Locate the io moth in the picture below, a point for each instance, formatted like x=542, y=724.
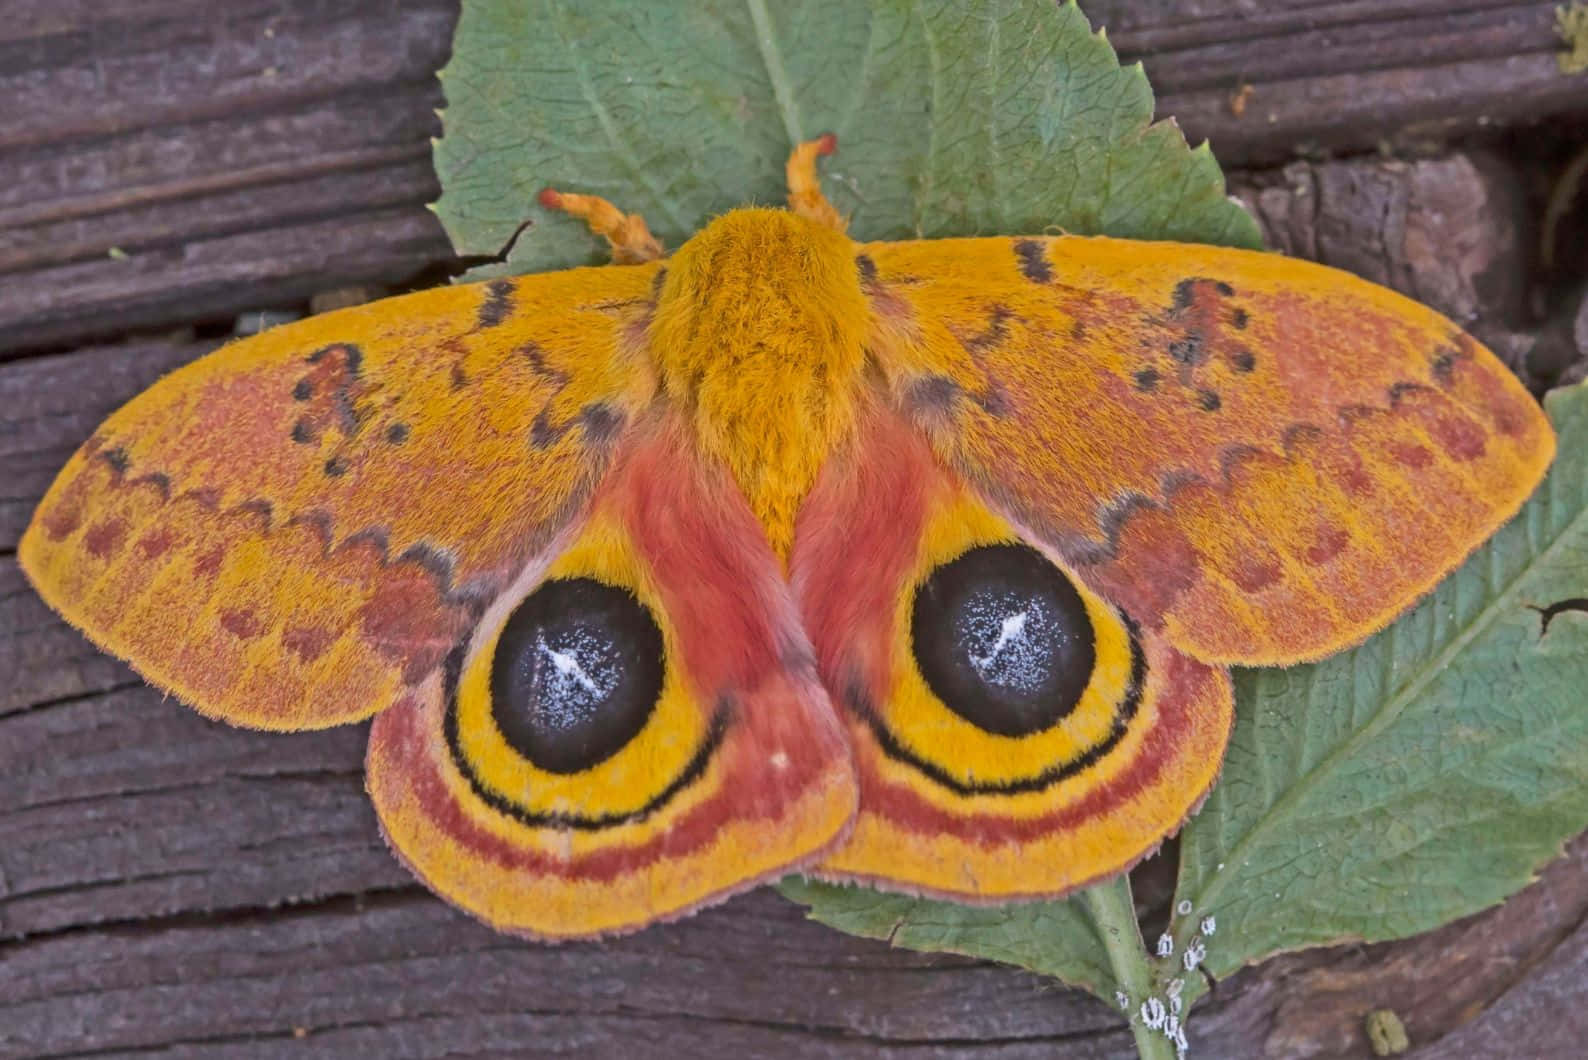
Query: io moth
x=914, y=563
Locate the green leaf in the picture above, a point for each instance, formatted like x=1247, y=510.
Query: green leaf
x=998, y=116
x=1090, y=940
x=953, y=119
x=1054, y=938
x=1422, y=776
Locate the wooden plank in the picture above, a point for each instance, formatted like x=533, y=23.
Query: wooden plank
x=171, y=884
x=1343, y=75
x=404, y=975
x=1545, y=1012
x=52, y=403
x=210, y=278
x=244, y=155
x=239, y=155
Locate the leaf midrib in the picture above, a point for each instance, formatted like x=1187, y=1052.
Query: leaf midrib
x=1501, y=604
x=776, y=72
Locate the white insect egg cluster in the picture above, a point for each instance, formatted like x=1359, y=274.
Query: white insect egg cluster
x=1162, y=1014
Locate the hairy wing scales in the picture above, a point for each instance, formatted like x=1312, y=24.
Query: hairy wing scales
x=289, y=531
x=947, y=808
x=1267, y=458
x=740, y=773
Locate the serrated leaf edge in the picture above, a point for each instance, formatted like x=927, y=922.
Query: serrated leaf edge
x=1502, y=604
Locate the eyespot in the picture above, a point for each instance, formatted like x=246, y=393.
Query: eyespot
x=577, y=670
x=568, y=706
x=1003, y=639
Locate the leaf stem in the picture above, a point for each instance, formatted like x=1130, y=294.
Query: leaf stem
x=1114, y=913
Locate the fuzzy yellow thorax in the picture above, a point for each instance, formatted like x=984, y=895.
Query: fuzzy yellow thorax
x=759, y=334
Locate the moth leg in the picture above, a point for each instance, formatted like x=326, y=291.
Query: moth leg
x=805, y=189
x=632, y=242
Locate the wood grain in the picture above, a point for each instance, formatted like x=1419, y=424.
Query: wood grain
x=244, y=155
x=173, y=886
x=1342, y=75
x=240, y=155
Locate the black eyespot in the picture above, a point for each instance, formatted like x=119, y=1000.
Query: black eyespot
x=577, y=671
x=1003, y=639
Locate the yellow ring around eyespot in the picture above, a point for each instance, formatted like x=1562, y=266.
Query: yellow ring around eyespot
x=921, y=723
x=640, y=772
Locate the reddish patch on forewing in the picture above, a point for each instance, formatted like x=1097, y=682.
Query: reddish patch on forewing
x=1462, y=439
x=1329, y=541
x=1096, y=310
x=1411, y=455
x=1335, y=459
x=1200, y=304
x=66, y=514
x=335, y=397
x=104, y=538
x=1496, y=394
x=1254, y=571
x=241, y=623
x=156, y=543
x=1181, y=691
x=1154, y=564
x=209, y=563
x=855, y=544
x=407, y=621
x=307, y=643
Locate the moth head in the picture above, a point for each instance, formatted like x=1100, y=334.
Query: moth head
x=754, y=277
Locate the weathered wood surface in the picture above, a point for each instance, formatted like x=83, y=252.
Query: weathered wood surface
x=244, y=154
x=1342, y=74
x=170, y=885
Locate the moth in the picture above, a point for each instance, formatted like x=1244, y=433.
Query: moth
x=914, y=563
